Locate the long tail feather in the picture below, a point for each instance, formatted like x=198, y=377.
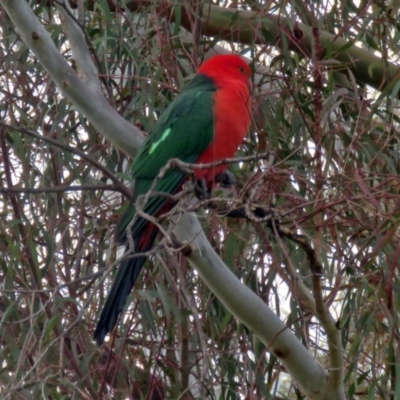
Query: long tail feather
x=126, y=276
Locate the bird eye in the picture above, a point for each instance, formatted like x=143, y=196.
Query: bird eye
x=241, y=69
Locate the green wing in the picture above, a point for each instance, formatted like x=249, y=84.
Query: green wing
x=184, y=131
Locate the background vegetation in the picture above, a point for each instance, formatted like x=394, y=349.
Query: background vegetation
x=326, y=103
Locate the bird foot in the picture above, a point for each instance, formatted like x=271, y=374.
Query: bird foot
x=201, y=190
x=226, y=179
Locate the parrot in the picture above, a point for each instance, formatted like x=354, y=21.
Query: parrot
x=205, y=123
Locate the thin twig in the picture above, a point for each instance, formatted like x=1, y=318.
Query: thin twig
x=61, y=188
x=73, y=150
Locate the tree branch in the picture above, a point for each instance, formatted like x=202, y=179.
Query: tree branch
x=82, y=47
x=59, y=188
x=250, y=309
x=247, y=27
x=90, y=103
x=121, y=188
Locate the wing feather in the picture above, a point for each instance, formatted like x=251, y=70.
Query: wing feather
x=184, y=131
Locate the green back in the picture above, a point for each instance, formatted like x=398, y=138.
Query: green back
x=184, y=131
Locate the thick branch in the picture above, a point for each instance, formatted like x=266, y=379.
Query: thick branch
x=316, y=304
x=84, y=63
x=250, y=309
x=89, y=102
x=249, y=27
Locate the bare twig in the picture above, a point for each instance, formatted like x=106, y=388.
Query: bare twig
x=73, y=150
x=63, y=188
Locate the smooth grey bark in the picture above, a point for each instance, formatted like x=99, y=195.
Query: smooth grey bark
x=251, y=310
x=89, y=102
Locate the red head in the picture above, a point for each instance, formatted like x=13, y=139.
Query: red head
x=226, y=67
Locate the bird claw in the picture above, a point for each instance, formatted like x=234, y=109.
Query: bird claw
x=201, y=190
x=226, y=179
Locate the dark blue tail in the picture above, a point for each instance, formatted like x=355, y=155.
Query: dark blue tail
x=124, y=280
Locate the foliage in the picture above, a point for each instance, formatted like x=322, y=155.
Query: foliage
x=334, y=179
